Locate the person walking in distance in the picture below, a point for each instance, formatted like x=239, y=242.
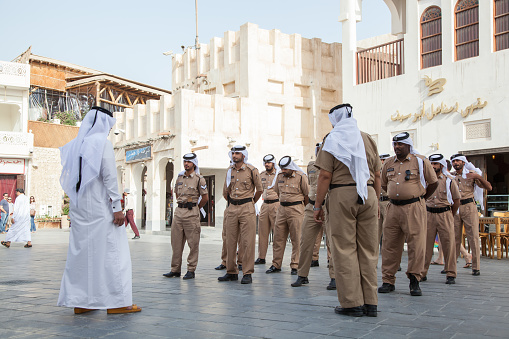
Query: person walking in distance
x=129, y=203
x=98, y=272
x=4, y=215
x=20, y=229
x=269, y=208
x=350, y=170
x=471, y=184
x=191, y=193
x=293, y=189
x=243, y=188
x=32, y=214
x=441, y=207
x=409, y=179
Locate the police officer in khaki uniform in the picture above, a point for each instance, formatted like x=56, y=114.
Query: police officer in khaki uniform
x=441, y=207
x=292, y=188
x=189, y=187
x=315, y=262
x=350, y=169
x=409, y=179
x=269, y=208
x=470, y=183
x=311, y=230
x=384, y=201
x=242, y=179
x=240, y=253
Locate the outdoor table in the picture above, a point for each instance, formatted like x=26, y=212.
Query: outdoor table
x=497, y=221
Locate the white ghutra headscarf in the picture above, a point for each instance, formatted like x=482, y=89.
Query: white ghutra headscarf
x=345, y=143
x=272, y=159
x=192, y=157
x=286, y=162
x=439, y=158
x=405, y=139
x=469, y=167
x=81, y=158
x=234, y=149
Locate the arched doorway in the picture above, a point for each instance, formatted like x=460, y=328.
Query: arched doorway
x=144, y=197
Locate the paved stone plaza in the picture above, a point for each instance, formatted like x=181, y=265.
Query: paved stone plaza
x=269, y=308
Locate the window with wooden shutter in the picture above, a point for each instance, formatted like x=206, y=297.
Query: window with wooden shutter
x=501, y=24
x=431, y=37
x=467, y=29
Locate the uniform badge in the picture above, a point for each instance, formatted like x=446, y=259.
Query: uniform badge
x=264, y=179
x=203, y=187
x=180, y=183
x=390, y=169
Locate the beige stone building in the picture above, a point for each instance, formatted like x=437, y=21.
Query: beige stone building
x=264, y=89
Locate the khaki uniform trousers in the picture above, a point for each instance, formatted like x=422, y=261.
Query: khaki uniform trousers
x=240, y=229
x=353, y=242
x=223, y=250
x=288, y=221
x=318, y=242
x=185, y=226
x=469, y=218
x=443, y=224
x=266, y=221
x=404, y=222
x=383, y=216
x=310, y=229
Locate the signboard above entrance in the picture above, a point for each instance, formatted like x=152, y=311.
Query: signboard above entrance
x=12, y=166
x=138, y=154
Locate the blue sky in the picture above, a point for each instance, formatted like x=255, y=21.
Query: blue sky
x=127, y=38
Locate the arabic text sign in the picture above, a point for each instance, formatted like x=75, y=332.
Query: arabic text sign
x=12, y=166
x=138, y=154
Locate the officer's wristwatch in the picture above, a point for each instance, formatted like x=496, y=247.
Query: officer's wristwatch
x=316, y=208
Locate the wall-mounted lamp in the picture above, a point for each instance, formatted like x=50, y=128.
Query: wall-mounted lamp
x=193, y=141
x=248, y=144
x=435, y=147
x=143, y=164
x=171, y=159
x=118, y=131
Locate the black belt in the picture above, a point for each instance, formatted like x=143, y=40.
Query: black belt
x=271, y=201
x=333, y=186
x=438, y=209
x=241, y=201
x=466, y=201
x=405, y=202
x=384, y=198
x=186, y=204
x=284, y=203
x=312, y=202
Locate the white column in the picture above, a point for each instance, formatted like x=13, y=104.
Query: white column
x=348, y=18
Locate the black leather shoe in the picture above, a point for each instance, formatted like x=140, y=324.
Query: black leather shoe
x=294, y=271
x=246, y=279
x=136, y=237
x=189, y=275
x=260, y=261
x=415, y=290
x=272, y=269
x=240, y=267
x=386, y=288
x=172, y=275
x=229, y=277
x=425, y=278
x=443, y=271
x=450, y=281
x=370, y=310
x=220, y=267
x=300, y=281
x=332, y=285
x=399, y=269
x=351, y=311
x=476, y=272
x=315, y=263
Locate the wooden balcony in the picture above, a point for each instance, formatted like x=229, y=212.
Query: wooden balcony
x=380, y=62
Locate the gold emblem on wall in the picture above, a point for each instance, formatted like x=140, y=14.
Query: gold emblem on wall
x=435, y=86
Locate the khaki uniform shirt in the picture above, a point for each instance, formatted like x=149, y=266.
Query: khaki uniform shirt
x=190, y=188
x=267, y=179
x=243, y=182
x=393, y=177
x=383, y=193
x=439, y=197
x=293, y=188
x=313, y=173
x=466, y=186
x=340, y=172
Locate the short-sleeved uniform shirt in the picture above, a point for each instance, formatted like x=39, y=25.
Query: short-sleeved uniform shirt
x=190, y=188
x=340, y=172
x=267, y=179
x=292, y=188
x=465, y=186
x=394, y=173
x=5, y=204
x=243, y=183
x=313, y=173
x=439, y=197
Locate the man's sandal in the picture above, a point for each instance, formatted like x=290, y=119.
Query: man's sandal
x=79, y=310
x=121, y=310
x=27, y=246
x=6, y=244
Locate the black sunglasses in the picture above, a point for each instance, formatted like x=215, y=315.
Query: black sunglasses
x=407, y=177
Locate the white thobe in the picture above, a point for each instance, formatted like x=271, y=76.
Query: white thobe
x=98, y=269
x=20, y=230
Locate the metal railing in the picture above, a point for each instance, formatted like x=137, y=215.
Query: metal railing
x=380, y=62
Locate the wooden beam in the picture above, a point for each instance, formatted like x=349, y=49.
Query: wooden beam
x=116, y=104
x=199, y=148
x=111, y=94
x=119, y=96
x=128, y=99
x=136, y=101
x=104, y=88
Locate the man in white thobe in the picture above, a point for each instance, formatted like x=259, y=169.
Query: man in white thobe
x=20, y=229
x=98, y=269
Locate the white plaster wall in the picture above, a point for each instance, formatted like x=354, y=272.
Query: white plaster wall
x=45, y=179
